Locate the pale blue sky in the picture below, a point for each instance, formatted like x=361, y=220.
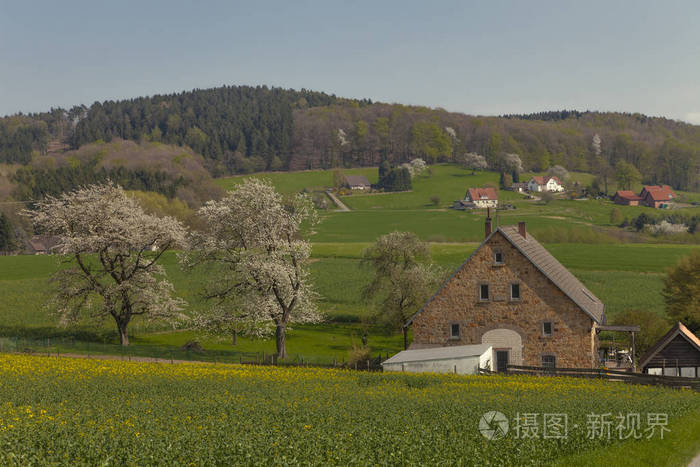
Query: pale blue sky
x=488, y=57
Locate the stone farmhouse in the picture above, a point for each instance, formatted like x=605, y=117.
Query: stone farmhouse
x=357, y=182
x=512, y=294
x=546, y=183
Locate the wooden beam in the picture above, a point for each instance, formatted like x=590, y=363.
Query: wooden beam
x=621, y=328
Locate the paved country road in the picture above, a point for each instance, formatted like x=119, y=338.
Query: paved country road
x=336, y=200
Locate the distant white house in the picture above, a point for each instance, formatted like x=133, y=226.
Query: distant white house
x=546, y=183
x=460, y=359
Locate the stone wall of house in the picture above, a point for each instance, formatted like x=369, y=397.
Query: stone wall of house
x=573, y=341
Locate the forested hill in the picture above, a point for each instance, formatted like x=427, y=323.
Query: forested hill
x=244, y=129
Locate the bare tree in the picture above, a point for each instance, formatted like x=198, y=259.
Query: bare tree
x=403, y=277
x=111, y=249
x=255, y=237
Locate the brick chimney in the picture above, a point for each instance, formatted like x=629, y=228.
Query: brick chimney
x=488, y=226
x=521, y=229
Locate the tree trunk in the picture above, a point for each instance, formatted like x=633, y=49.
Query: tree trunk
x=234, y=339
x=280, y=340
x=123, y=334
x=405, y=338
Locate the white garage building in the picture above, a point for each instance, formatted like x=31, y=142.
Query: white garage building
x=461, y=359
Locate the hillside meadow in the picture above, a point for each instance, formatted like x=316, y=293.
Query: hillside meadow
x=625, y=276
x=559, y=221
x=79, y=411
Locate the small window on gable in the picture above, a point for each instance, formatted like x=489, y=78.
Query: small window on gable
x=498, y=257
x=515, y=291
x=547, y=328
x=549, y=361
x=484, y=292
x=454, y=331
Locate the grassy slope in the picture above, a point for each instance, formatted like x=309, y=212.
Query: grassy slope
x=623, y=276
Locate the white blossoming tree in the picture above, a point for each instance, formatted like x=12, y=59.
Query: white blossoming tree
x=254, y=238
x=473, y=161
x=110, y=249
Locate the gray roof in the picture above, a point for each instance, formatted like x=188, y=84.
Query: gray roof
x=545, y=263
x=556, y=272
x=438, y=353
x=355, y=180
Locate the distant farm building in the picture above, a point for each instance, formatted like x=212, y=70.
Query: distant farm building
x=513, y=295
x=657, y=196
x=43, y=244
x=461, y=359
x=546, y=183
x=675, y=354
x=519, y=187
x=478, y=198
x=627, y=198
x=357, y=182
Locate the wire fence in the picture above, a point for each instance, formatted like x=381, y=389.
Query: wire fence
x=65, y=346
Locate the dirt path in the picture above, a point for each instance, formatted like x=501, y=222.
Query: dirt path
x=336, y=200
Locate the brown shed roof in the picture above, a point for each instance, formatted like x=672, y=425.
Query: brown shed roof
x=475, y=194
x=628, y=195
x=678, y=329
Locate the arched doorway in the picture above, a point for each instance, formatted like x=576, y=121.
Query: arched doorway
x=507, y=347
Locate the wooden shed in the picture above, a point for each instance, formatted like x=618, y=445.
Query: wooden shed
x=675, y=354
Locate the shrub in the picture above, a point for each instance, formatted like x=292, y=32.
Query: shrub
x=435, y=199
x=615, y=216
x=358, y=355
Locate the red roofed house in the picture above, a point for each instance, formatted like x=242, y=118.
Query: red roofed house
x=657, y=196
x=482, y=197
x=627, y=198
x=546, y=183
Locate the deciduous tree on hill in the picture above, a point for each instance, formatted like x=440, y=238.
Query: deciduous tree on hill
x=403, y=277
x=112, y=248
x=626, y=175
x=472, y=161
x=682, y=291
x=254, y=237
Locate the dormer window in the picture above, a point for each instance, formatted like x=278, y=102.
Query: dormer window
x=498, y=257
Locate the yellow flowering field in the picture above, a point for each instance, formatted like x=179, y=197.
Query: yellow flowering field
x=65, y=411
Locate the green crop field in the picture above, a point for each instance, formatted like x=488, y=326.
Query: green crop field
x=97, y=412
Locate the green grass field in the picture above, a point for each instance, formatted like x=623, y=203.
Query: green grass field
x=578, y=233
